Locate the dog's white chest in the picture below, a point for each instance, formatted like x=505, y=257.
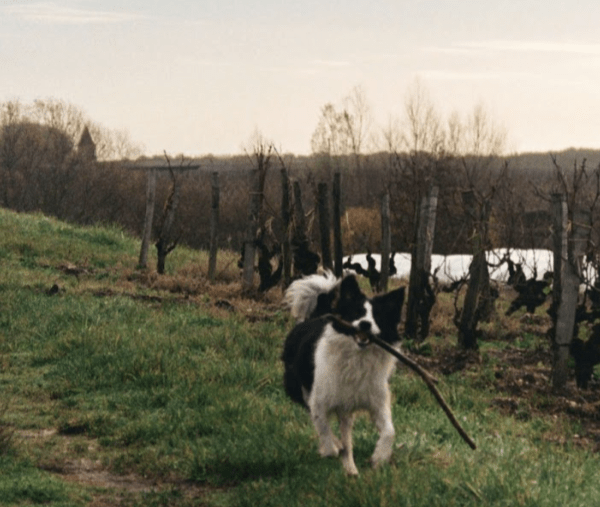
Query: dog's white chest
x=348, y=376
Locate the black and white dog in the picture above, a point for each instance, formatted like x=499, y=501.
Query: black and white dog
x=330, y=372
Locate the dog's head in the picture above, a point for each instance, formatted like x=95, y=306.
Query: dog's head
x=379, y=315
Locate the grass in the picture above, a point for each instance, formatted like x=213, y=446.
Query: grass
x=180, y=401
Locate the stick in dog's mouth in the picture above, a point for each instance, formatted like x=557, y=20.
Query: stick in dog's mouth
x=363, y=338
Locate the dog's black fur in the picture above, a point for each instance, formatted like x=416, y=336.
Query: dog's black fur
x=331, y=370
x=298, y=352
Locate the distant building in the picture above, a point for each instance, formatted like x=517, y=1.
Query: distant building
x=86, y=148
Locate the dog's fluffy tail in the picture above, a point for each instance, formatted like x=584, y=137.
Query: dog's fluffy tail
x=302, y=296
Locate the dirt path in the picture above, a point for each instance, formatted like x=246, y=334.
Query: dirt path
x=105, y=487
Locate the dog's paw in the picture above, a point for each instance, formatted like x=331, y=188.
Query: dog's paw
x=329, y=452
x=330, y=448
x=352, y=471
x=378, y=460
x=348, y=463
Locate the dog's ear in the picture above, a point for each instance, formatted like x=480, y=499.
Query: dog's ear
x=391, y=304
x=325, y=304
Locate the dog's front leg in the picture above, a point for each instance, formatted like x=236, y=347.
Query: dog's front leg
x=382, y=417
x=329, y=445
x=346, y=423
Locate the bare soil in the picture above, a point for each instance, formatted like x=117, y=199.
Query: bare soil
x=523, y=386
x=106, y=488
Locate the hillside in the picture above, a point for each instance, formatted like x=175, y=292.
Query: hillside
x=120, y=387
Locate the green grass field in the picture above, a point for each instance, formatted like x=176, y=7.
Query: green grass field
x=120, y=387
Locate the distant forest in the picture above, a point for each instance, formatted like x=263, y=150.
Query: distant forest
x=527, y=163
x=55, y=161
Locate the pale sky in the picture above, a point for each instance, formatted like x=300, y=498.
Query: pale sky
x=200, y=76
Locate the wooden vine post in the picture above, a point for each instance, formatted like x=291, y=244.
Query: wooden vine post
x=299, y=219
x=249, y=242
x=166, y=243
x=286, y=219
x=337, y=224
x=386, y=242
x=568, y=250
x=214, y=227
x=420, y=297
x=478, y=217
x=148, y=218
x=324, y=226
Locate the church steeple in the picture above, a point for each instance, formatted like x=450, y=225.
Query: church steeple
x=86, y=146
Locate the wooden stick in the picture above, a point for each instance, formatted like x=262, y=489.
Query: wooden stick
x=364, y=336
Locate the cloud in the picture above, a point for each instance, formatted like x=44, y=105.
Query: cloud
x=538, y=46
x=331, y=63
x=192, y=61
x=445, y=75
x=580, y=48
x=52, y=13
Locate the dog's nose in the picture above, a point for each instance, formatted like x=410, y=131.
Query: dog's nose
x=364, y=326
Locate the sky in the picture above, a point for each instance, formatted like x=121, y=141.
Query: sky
x=199, y=77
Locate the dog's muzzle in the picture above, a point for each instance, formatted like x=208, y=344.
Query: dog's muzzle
x=362, y=338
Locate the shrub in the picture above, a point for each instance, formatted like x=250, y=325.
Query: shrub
x=361, y=229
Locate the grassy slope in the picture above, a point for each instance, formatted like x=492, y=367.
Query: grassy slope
x=143, y=377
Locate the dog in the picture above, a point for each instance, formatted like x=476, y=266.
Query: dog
x=331, y=371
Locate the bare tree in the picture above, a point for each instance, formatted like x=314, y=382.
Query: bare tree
x=454, y=137
x=390, y=140
x=113, y=144
x=418, y=160
x=424, y=132
x=33, y=158
x=43, y=169
x=477, y=141
x=344, y=129
x=59, y=114
x=460, y=156
x=480, y=142
x=358, y=119
x=167, y=241
x=325, y=136
x=261, y=157
x=13, y=149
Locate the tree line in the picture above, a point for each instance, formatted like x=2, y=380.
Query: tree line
x=43, y=168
